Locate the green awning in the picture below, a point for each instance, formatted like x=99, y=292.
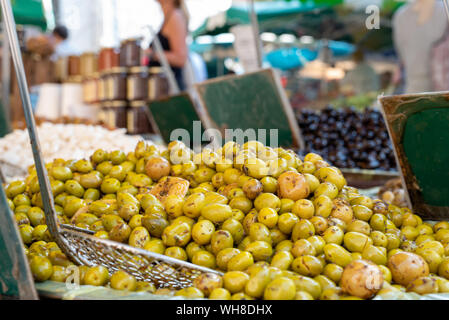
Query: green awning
x=29, y=12
x=269, y=13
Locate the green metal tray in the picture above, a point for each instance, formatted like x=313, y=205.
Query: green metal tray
x=419, y=128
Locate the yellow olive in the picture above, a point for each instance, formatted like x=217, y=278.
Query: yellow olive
x=307, y=265
x=269, y=184
x=378, y=222
x=260, y=250
x=123, y=281
x=240, y=262
x=356, y=242
x=204, y=258
x=139, y=237
x=155, y=245
x=282, y=260
x=41, y=268
x=268, y=216
x=176, y=253
x=303, y=247
x=258, y=281
x=304, y=209
x=333, y=235
x=96, y=276
x=220, y=240
x=326, y=189
x=216, y=212
x=176, y=235
x=312, y=181
x=259, y=232
x=323, y=206
x=360, y=227
x=337, y=254
x=308, y=285
x=432, y=258
x=320, y=224
x=280, y=289
x=202, y=232
x=235, y=281
x=303, y=229
x=286, y=222
x=235, y=228
x=220, y=294
x=224, y=256
x=333, y=272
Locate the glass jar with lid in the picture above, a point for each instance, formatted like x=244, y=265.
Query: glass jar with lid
x=108, y=58
x=102, y=90
x=116, y=81
x=116, y=114
x=88, y=64
x=91, y=89
x=158, y=86
x=137, y=88
x=130, y=53
x=138, y=119
x=74, y=66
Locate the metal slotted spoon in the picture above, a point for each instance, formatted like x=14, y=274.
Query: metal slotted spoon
x=79, y=245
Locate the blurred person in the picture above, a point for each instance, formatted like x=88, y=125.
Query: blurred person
x=172, y=37
x=362, y=79
x=417, y=27
x=61, y=45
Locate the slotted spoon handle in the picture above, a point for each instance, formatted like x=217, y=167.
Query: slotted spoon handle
x=44, y=183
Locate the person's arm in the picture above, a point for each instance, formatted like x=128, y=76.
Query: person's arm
x=177, y=34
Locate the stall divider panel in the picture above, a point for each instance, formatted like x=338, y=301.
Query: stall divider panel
x=251, y=101
x=16, y=280
x=175, y=112
x=419, y=128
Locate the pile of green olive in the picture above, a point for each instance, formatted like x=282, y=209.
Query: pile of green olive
x=277, y=226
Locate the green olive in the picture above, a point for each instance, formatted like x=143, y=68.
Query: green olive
x=333, y=235
x=241, y=261
x=220, y=240
x=15, y=188
x=176, y=235
x=139, y=237
x=99, y=156
x=41, y=268
x=216, y=212
x=202, y=232
x=96, y=276
x=260, y=250
x=91, y=180
x=83, y=166
x=120, y=233
x=156, y=246
x=267, y=200
x=110, y=185
x=204, y=258
x=123, y=281
x=176, y=253
x=356, y=242
x=104, y=167
x=303, y=229
x=337, y=254
x=21, y=200
x=72, y=187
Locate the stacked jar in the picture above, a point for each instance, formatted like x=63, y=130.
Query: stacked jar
x=115, y=80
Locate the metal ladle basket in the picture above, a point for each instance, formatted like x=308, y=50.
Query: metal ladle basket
x=79, y=245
